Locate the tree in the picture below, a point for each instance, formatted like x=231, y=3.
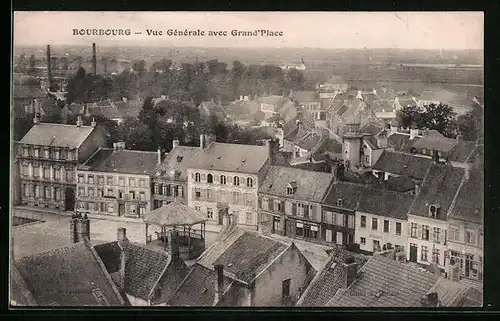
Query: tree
x=139, y=66
x=439, y=117
x=470, y=125
x=31, y=64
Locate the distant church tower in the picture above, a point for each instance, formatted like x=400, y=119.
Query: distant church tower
x=351, y=142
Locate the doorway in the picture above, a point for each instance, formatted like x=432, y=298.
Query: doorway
x=121, y=209
x=413, y=253
x=276, y=225
x=69, y=199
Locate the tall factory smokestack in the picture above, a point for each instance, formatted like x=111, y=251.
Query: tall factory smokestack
x=94, y=60
x=49, y=69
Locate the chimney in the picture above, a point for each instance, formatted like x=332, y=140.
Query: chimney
x=93, y=123
x=73, y=236
x=241, y=97
x=173, y=245
x=125, y=99
x=350, y=271
x=159, y=155
x=77, y=228
x=94, y=60
x=79, y=121
x=272, y=147
x=49, y=69
x=430, y=300
x=467, y=171
x=122, y=244
x=219, y=285
x=202, y=141
x=175, y=143
x=374, y=91
x=84, y=228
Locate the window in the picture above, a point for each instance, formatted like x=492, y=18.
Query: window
x=142, y=182
x=100, y=192
x=47, y=153
x=454, y=233
x=110, y=192
x=285, y=289
x=398, y=228
x=236, y=181
x=36, y=171
x=197, y=193
x=81, y=191
x=425, y=232
x=142, y=210
x=424, y=151
x=435, y=256
x=180, y=191
x=236, y=197
x=120, y=194
x=46, y=192
x=90, y=191
x=46, y=173
x=209, y=195
x=37, y=191
x=132, y=195
x=249, y=218
x=109, y=180
x=223, y=179
x=470, y=237
x=265, y=203
x=367, y=159
x=26, y=190
x=339, y=202
x=210, y=213
x=433, y=211
x=249, y=182
x=90, y=179
x=91, y=206
x=58, y=154
x=413, y=230
x=249, y=199
x=350, y=221
x=173, y=190
x=300, y=209
x=100, y=180
x=423, y=253
x=142, y=196
x=156, y=188
x=57, y=194
x=26, y=151
x=277, y=205
x=386, y=226
x=210, y=178
x=121, y=181
x=164, y=189
x=376, y=246
x=131, y=182
x=362, y=222
x=80, y=178
x=436, y=234
x=37, y=152
x=197, y=177
x=362, y=240
x=339, y=219
x=26, y=170
x=289, y=190
x=374, y=224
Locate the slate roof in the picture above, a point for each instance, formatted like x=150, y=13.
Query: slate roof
x=272, y=100
x=329, y=280
x=308, y=141
x=401, y=142
x=311, y=186
x=431, y=142
x=179, y=160
x=439, y=187
x=143, y=268
x=462, y=151
x=403, y=164
x=450, y=293
x=385, y=203
x=233, y=158
x=122, y=161
x=305, y=96
x=371, y=141
x=197, y=289
x=117, y=110
x=348, y=192
x=68, y=276
x=383, y=282
x=57, y=135
x=174, y=214
x=469, y=204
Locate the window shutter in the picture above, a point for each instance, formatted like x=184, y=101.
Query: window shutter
x=271, y=204
x=294, y=209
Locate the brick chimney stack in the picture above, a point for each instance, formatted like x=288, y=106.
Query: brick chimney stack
x=94, y=60
x=219, y=285
x=350, y=271
x=121, y=236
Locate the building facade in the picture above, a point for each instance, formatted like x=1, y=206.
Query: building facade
x=48, y=157
x=116, y=182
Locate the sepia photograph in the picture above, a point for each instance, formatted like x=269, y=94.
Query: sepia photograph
x=247, y=159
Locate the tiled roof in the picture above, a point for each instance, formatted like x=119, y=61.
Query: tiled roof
x=197, y=289
x=432, y=142
x=385, y=203
x=118, y=110
x=233, y=158
x=20, y=295
x=305, y=96
x=371, y=141
x=439, y=187
x=469, y=204
x=383, y=282
x=174, y=214
x=272, y=100
x=57, y=135
x=403, y=164
x=450, y=293
x=143, y=268
x=329, y=280
x=122, y=161
x=401, y=142
x=179, y=160
x=348, y=192
x=311, y=186
x=68, y=276
x=309, y=140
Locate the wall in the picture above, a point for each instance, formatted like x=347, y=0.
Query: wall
x=169, y=198
x=291, y=265
x=95, y=140
x=347, y=232
x=443, y=225
x=461, y=247
x=247, y=196
x=113, y=201
x=379, y=235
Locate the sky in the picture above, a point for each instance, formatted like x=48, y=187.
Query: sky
x=404, y=30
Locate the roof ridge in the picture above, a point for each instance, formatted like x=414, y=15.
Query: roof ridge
x=454, y=202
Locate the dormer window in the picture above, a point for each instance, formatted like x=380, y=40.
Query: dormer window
x=340, y=202
x=37, y=152
x=197, y=177
x=434, y=210
x=47, y=153
x=289, y=190
x=223, y=179
x=424, y=151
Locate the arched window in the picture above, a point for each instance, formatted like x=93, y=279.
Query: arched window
x=249, y=182
x=236, y=181
x=197, y=177
x=223, y=179
x=210, y=179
